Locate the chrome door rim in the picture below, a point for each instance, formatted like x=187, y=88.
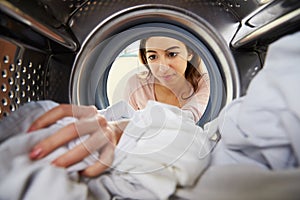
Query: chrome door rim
x=163, y=14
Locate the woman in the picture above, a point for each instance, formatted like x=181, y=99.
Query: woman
x=174, y=77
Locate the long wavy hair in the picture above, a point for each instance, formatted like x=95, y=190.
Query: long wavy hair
x=193, y=71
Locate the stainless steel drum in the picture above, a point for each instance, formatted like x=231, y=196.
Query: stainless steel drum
x=64, y=50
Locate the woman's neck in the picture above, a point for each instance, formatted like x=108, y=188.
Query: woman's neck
x=173, y=95
x=165, y=95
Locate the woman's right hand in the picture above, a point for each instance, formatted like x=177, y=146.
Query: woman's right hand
x=103, y=137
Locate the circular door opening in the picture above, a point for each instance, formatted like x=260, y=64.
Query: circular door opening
x=94, y=66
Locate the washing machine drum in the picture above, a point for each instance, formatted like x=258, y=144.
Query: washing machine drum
x=108, y=55
x=83, y=52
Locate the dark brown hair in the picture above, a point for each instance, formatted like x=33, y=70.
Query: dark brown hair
x=193, y=71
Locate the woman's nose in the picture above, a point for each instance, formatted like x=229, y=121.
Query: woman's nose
x=163, y=65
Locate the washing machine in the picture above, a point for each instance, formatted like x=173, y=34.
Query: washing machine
x=83, y=51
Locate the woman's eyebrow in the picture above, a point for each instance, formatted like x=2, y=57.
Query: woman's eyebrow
x=171, y=48
x=150, y=51
x=168, y=49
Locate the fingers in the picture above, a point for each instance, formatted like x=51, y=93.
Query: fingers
x=96, y=141
x=71, y=157
x=61, y=111
x=66, y=134
x=54, y=141
x=51, y=117
x=101, y=137
x=105, y=161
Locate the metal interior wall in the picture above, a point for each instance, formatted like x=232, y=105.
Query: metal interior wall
x=33, y=66
x=39, y=40
x=49, y=60
x=22, y=79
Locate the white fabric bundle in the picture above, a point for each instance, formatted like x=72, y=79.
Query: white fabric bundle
x=163, y=148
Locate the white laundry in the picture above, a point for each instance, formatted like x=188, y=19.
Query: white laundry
x=262, y=127
x=21, y=178
x=160, y=149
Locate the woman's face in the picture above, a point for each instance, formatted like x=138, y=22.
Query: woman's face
x=167, y=59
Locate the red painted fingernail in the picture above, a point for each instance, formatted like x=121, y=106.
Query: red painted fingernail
x=34, y=154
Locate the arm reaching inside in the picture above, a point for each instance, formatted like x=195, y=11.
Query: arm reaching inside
x=104, y=136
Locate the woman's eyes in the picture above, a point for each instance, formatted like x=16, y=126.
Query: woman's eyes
x=169, y=54
x=152, y=57
x=172, y=54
